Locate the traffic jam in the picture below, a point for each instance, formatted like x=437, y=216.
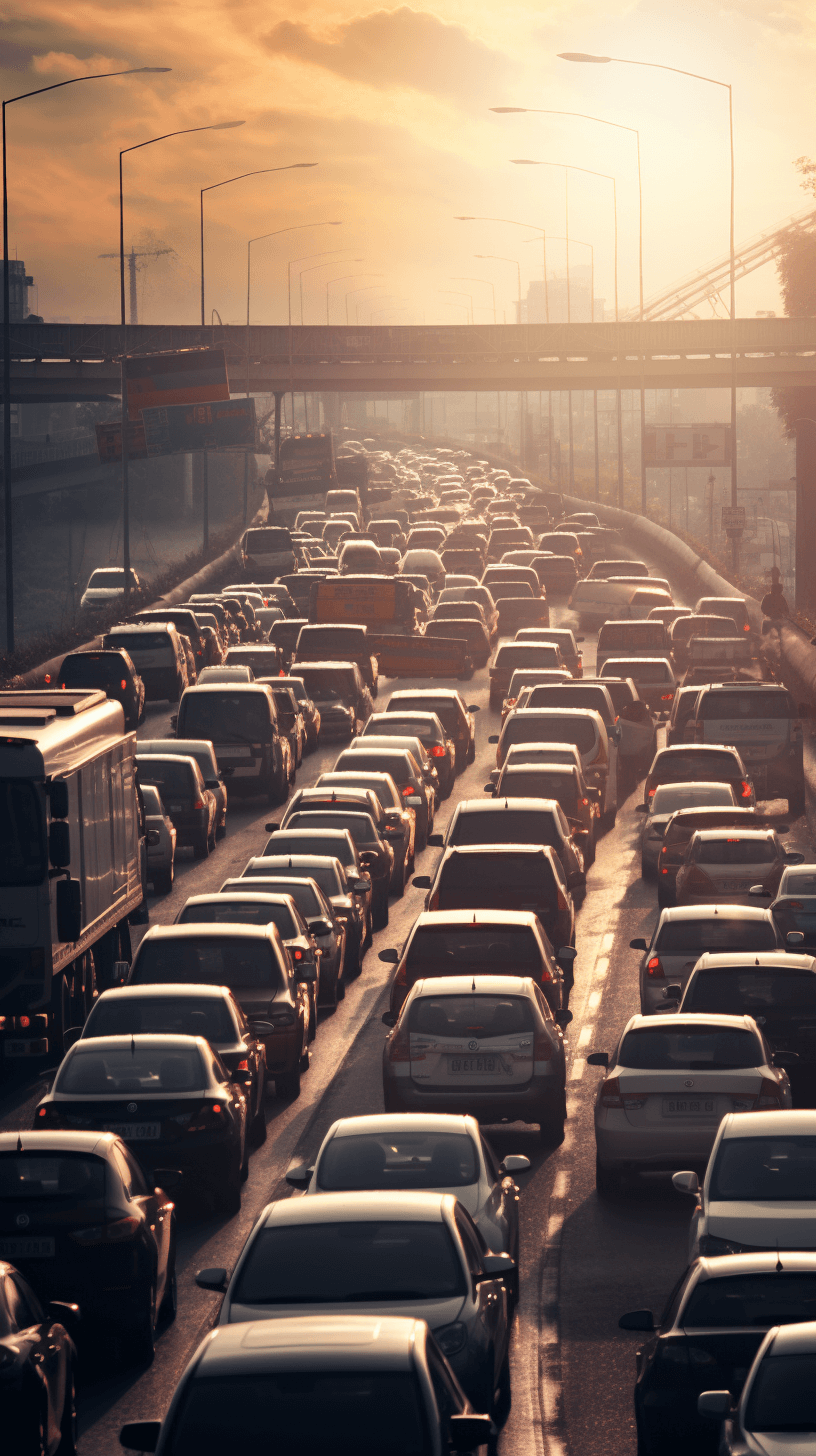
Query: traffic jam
x=408, y=977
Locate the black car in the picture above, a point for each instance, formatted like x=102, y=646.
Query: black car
x=290, y=721
x=308, y=709
x=376, y=854
x=169, y=1096
x=37, y=1369
x=324, y=925
x=285, y=635
x=340, y=694
x=113, y=673
x=208, y=1011
x=201, y=749
x=403, y=769
x=350, y=906
x=427, y=727
x=399, y=826
x=714, y=1322
x=190, y=805
x=82, y=1219
x=329, y=840
x=450, y=708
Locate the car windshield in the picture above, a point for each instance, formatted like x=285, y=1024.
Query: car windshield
x=141, y=641
x=670, y=797
x=753, y=991
x=539, y=783
x=206, y=1016
x=333, y=641
x=752, y=703
x=497, y=949
x=345, y=1412
x=378, y=760
x=174, y=779
x=238, y=912
x=696, y=763
x=328, y=684
x=357, y=1262
x=131, y=1068
x=752, y=1301
x=22, y=833
x=360, y=826
x=697, y=1048
x=734, y=851
x=550, y=729
x=764, y=1169
x=506, y=826
x=91, y=671
x=226, y=717
x=30, y=1175
x=399, y=1160
x=302, y=841
x=715, y=933
x=233, y=961
x=485, y=1017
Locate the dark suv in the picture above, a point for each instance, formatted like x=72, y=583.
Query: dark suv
x=111, y=671
x=189, y=804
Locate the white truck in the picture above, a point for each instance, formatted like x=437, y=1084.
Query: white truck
x=72, y=862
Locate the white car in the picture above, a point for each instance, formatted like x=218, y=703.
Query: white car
x=669, y=1083
x=759, y=1189
x=684, y=932
x=667, y=799
x=106, y=585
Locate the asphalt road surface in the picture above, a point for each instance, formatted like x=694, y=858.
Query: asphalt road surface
x=582, y=1263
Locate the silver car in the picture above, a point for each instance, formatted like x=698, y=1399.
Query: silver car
x=776, y=1412
x=667, y=799
x=684, y=932
x=161, y=841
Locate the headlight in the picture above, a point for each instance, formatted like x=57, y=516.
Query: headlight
x=451, y=1338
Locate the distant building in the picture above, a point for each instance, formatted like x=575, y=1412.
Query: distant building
x=19, y=284
x=553, y=303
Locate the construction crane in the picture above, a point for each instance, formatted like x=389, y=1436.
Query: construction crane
x=131, y=259
x=705, y=285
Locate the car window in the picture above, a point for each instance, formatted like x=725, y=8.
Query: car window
x=697, y=764
x=448, y=1398
x=238, y=913
x=504, y=949
x=485, y=1017
x=689, y=1048
x=752, y=991
x=343, y=1262
x=772, y=1168
x=507, y=827
x=752, y=1301
x=401, y=1160
x=715, y=933
x=206, y=1016
x=250, y=964
x=472, y=1242
x=734, y=851
x=136, y=1068
x=783, y=1398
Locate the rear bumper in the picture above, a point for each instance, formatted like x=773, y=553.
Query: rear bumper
x=490, y=1105
x=659, y=1148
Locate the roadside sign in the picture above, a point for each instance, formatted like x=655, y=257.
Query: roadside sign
x=733, y=518
x=188, y=376
x=687, y=444
x=220, y=425
x=109, y=441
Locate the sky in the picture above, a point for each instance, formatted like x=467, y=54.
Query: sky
x=393, y=106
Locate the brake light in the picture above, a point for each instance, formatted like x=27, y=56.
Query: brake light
x=770, y=1095
x=48, y=677
x=666, y=697
x=115, y=1232
x=610, y=1093
x=123, y=684
x=654, y=967
x=408, y=789
x=24, y=1022
x=297, y=955
x=437, y=751
x=790, y=905
x=208, y=1118
x=747, y=627
x=399, y=1046
x=242, y=1066
x=199, y=804
x=542, y=1047
x=651, y=792
x=745, y=791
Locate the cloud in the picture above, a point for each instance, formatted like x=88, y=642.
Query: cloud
x=61, y=64
x=402, y=47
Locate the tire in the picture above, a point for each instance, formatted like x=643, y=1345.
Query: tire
x=287, y=1085
x=68, y=1423
x=169, y=1304
x=140, y=1335
x=245, y=1161
x=257, y=1127
x=503, y=1397
x=340, y=986
x=305, y=1059
x=163, y=881
x=646, y=870
x=796, y=804
x=392, y=1102
x=201, y=848
x=367, y=939
x=211, y=841
x=607, y=1183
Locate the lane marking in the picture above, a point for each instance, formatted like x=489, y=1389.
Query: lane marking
x=601, y=968
x=577, y=1069
x=595, y=1000
x=608, y=941
x=586, y=1034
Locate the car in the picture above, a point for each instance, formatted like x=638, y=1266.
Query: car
x=517, y=821
x=340, y=696
x=170, y=1091
x=407, y=743
x=698, y=762
x=157, y=653
x=763, y=722
x=734, y=607
x=380, y=1253
x=794, y=908
x=400, y=764
x=227, y=672
x=290, y=721
x=204, y=754
x=399, y=820
x=582, y=726
x=469, y=591
x=161, y=841
x=449, y=706
x=721, y=1308
x=113, y=673
x=496, y=1033
x=326, y=839
x=563, y=638
x=558, y=575
x=364, y=799
x=620, y=567
x=513, y=655
x=678, y=833
x=241, y=722
x=563, y=783
x=246, y=906
x=653, y=677
x=385, y=1377
x=446, y=611
x=424, y=562
x=681, y=936
x=776, y=1406
x=474, y=635
x=529, y=677
x=637, y=724
x=644, y=598
x=38, y=1359
x=307, y=707
x=540, y=753
x=349, y=903
x=338, y=642
x=691, y=625
x=683, y=710
x=669, y=1082
x=375, y=855
x=322, y=922
x=208, y=1011
x=268, y=551
x=433, y=737
x=284, y=635
x=666, y=801
x=120, y=1269
x=756, y=1194
x=254, y=963
x=479, y=942
x=418, y=1152
x=190, y=625
x=668, y=615
x=106, y=585
x=730, y=867
x=583, y=694
x=189, y=803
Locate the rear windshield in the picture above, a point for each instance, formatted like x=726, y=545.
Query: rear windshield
x=250, y=964
x=269, y=538
x=715, y=933
x=746, y=705
x=752, y=1301
x=693, y=1049
x=360, y=826
x=378, y=760
x=631, y=634
x=697, y=763
x=131, y=1068
x=308, y=843
x=408, y=1160
x=447, y=711
x=485, y=1017
x=752, y=991
x=527, y=654
x=492, y=878
x=341, y=1263
x=506, y=826
x=51, y=1175
x=333, y=641
x=326, y=877
x=734, y=851
x=142, y=641
x=540, y=784
x=571, y=697
x=108, y=579
x=800, y=884
x=765, y=1169
x=206, y=1016
x=226, y=717
x=495, y=949
x=643, y=669
x=90, y=672
x=237, y=912
x=328, y=684
x=668, y=799
x=171, y=778
x=580, y=731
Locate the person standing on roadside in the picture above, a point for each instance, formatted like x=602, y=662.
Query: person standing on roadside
x=773, y=603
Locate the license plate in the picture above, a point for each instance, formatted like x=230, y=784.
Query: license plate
x=734, y=887
x=476, y=1065
x=228, y=750
x=689, y=1106
x=135, y=1131
x=26, y=1249
x=175, y=808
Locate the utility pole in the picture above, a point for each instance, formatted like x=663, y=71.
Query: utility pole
x=132, y=259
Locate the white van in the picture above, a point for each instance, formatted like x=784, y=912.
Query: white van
x=268, y=551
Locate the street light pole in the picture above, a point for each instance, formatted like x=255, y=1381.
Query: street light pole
x=511, y=222
x=488, y=282
x=313, y=268
x=344, y=278
x=262, y=171
x=8, y=520
x=369, y=288
x=459, y=293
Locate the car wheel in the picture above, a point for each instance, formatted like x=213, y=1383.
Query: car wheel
x=68, y=1424
x=245, y=1159
x=169, y=1304
x=796, y=804
x=503, y=1397
x=392, y=1102
x=607, y=1183
x=257, y=1127
x=287, y=1084
x=367, y=939
x=221, y=831
x=201, y=848
x=421, y=839
x=471, y=753
x=163, y=881
x=211, y=840
x=644, y=1445
x=140, y=1334
x=340, y=986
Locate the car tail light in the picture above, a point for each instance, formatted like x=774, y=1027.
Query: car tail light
x=745, y=790
x=654, y=967
x=282, y=1016
x=243, y=1066
x=747, y=627
x=116, y=1232
x=297, y=955
x=408, y=789
x=48, y=677
x=610, y=1095
x=199, y=804
x=437, y=751
x=666, y=697
x=770, y=1095
x=585, y=802
x=401, y=978
x=542, y=1047
x=209, y=1118
x=399, y=1046
x=123, y=685
x=651, y=792
x=790, y=905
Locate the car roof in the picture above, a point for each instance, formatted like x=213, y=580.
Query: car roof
x=323, y=664
x=506, y=801
x=354, y=1207
x=399, y=1122
x=712, y=836
x=792, y=1122
x=480, y=985
x=151, y=1041
x=310, y=1343
x=540, y=851
x=692, y=1019
x=337, y=834
x=158, y=988
x=261, y=897
x=697, y=748
x=210, y=932
x=714, y=912
x=438, y=919
x=797, y=1339
x=766, y=960
x=57, y=1141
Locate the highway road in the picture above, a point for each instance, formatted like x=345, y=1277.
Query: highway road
x=582, y=1263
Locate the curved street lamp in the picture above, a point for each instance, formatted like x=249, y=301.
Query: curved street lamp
x=261, y=171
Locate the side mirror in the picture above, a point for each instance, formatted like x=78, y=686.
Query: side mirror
x=306, y=971
x=414, y=801
x=497, y=1266
x=360, y=883
x=71, y=1036
x=270, y=828
x=793, y=857
x=467, y=1433
x=794, y=939
x=140, y=1435
x=242, y=1078
x=473, y=708
x=389, y=1018
x=437, y=841
x=320, y=927
x=299, y=1176
x=490, y=788
x=69, y=910
x=67, y=1314
x=598, y=1059
x=168, y=1179
x=638, y=944
x=59, y=844
x=686, y=1183
x=759, y=889
x=563, y=1018
x=153, y=837
x=514, y=1163
x=494, y=738
x=566, y=955
x=785, y=1059
x=641, y=809
x=714, y=1405
x=421, y=882
x=637, y=1319
x=58, y=799
x=215, y=1279
x=390, y=957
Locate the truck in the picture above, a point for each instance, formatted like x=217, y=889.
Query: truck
x=72, y=862
x=305, y=466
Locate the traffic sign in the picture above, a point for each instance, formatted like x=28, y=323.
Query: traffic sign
x=223, y=424
x=687, y=444
x=109, y=441
x=733, y=518
x=188, y=376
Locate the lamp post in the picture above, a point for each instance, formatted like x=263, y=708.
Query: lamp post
x=367, y=288
x=262, y=171
x=316, y=266
x=511, y=222
x=378, y=288
x=488, y=282
x=7, y=498
x=581, y=57
x=344, y=278
x=499, y=258
x=460, y=293
x=570, y=167
x=137, y=147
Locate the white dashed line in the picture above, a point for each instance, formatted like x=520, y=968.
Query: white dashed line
x=585, y=1034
